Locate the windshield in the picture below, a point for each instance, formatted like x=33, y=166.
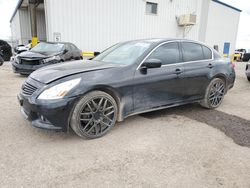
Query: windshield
x=47, y=47
x=125, y=53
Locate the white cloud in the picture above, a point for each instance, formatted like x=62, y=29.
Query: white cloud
x=6, y=9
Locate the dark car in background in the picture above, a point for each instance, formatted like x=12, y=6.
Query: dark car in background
x=1, y=58
x=5, y=49
x=246, y=57
x=248, y=71
x=43, y=54
x=244, y=54
x=129, y=78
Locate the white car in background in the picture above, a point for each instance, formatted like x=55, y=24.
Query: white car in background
x=22, y=48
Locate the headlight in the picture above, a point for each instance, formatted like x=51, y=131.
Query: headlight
x=17, y=59
x=59, y=91
x=56, y=57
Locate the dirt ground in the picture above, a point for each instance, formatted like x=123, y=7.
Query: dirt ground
x=181, y=147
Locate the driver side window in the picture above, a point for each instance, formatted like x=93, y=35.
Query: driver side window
x=168, y=53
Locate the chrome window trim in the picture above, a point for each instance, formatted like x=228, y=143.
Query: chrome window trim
x=182, y=62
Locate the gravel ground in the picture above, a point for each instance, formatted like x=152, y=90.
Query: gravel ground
x=182, y=147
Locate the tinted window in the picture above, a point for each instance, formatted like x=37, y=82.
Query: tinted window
x=73, y=47
x=167, y=53
x=67, y=46
x=207, y=52
x=192, y=51
x=124, y=53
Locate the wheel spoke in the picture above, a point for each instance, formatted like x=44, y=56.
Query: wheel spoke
x=212, y=93
x=100, y=127
x=221, y=88
x=87, y=124
x=105, y=104
x=99, y=104
x=94, y=104
x=96, y=130
x=90, y=108
x=217, y=85
x=103, y=123
x=91, y=128
x=86, y=113
x=212, y=101
x=111, y=112
x=109, y=108
x=217, y=100
x=211, y=96
x=106, y=117
x=85, y=119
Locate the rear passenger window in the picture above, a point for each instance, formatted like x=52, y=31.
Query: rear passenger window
x=74, y=48
x=168, y=53
x=207, y=52
x=192, y=51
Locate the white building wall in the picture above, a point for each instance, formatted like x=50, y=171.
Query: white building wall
x=41, y=25
x=222, y=26
x=21, y=28
x=15, y=29
x=96, y=24
x=25, y=25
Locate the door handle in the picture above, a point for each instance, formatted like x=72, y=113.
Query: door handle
x=210, y=65
x=178, y=71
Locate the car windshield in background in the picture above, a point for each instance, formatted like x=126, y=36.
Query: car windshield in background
x=47, y=47
x=124, y=54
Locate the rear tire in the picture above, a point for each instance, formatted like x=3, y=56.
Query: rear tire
x=248, y=78
x=94, y=115
x=214, y=94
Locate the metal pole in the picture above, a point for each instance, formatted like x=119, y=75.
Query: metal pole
x=32, y=12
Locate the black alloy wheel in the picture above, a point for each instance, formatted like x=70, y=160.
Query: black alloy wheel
x=214, y=94
x=94, y=115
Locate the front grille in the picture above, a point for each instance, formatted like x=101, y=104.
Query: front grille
x=30, y=62
x=28, y=89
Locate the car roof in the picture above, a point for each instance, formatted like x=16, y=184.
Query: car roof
x=160, y=40
x=57, y=42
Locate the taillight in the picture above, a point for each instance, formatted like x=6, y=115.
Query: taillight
x=232, y=65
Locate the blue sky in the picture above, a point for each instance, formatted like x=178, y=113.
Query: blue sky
x=243, y=41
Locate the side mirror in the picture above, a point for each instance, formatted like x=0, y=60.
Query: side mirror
x=65, y=51
x=96, y=53
x=152, y=63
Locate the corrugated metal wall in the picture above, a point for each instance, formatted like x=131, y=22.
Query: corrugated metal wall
x=222, y=26
x=41, y=25
x=16, y=29
x=21, y=29
x=97, y=24
x=25, y=25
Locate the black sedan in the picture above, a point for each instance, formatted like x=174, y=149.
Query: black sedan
x=43, y=54
x=129, y=78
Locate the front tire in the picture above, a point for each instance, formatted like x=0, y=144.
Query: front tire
x=214, y=94
x=94, y=115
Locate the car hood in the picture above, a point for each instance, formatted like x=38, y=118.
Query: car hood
x=36, y=55
x=51, y=73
